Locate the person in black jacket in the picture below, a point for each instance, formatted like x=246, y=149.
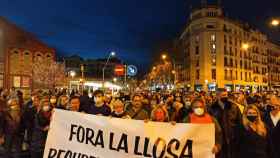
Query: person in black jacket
x=40, y=129
x=272, y=121
x=28, y=117
x=12, y=130
x=253, y=137
x=229, y=117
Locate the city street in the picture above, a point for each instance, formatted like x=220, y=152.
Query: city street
x=131, y=79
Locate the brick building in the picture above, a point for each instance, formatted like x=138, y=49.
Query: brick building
x=18, y=50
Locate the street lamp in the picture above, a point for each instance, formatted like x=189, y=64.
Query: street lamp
x=112, y=54
x=245, y=46
x=275, y=22
x=163, y=56
x=115, y=79
x=72, y=74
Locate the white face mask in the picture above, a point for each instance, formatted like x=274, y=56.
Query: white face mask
x=199, y=111
x=119, y=113
x=46, y=108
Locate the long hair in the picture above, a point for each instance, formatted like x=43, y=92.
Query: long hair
x=160, y=107
x=260, y=127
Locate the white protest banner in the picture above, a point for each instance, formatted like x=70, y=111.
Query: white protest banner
x=78, y=135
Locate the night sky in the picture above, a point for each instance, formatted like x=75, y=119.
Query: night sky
x=131, y=28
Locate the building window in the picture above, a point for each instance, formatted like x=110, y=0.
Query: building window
x=210, y=26
x=197, y=39
x=213, y=38
x=246, y=77
x=240, y=64
x=236, y=63
x=213, y=62
x=241, y=76
x=226, y=76
x=197, y=63
x=214, y=74
x=231, y=77
x=225, y=50
x=197, y=50
x=197, y=74
x=213, y=48
x=225, y=61
x=236, y=75
x=225, y=38
x=231, y=62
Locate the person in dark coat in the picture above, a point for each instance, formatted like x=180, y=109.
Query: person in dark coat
x=28, y=117
x=135, y=110
x=11, y=129
x=272, y=121
x=253, y=137
x=229, y=117
x=99, y=107
x=84, y=102
x=40, y=129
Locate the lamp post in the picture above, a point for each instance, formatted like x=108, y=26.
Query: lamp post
x=112, y=54
x=275, y=22
x=72, y=74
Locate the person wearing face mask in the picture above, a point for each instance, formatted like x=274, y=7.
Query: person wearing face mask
x=12, y=130
x=253, y=137
x=118, y=109
x=272, y=121
x=229, y=117
x=199, y=115
x=40, y=128
x=159, y=114
x=99, y=107
x=179, y=111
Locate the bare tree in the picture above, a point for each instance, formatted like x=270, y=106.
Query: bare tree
x=47, y=73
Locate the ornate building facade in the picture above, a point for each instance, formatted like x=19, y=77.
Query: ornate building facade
x=225, y=53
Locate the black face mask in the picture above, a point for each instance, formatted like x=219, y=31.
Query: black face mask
x=224, y=100
x=270, y=108
x=252, y=118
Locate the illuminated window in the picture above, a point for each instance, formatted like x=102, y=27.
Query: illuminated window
x=213, y=38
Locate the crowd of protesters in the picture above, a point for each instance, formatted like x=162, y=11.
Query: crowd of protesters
x=246, y=124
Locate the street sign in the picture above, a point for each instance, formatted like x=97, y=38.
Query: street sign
x=119, y=70
x=131, y=70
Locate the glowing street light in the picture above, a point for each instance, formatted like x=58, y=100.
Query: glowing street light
x=113, y=53
x=115, y=79
x=275, y=22
x=163, y=56
x=72, y=74
x=245, y=46
x=154, y=68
